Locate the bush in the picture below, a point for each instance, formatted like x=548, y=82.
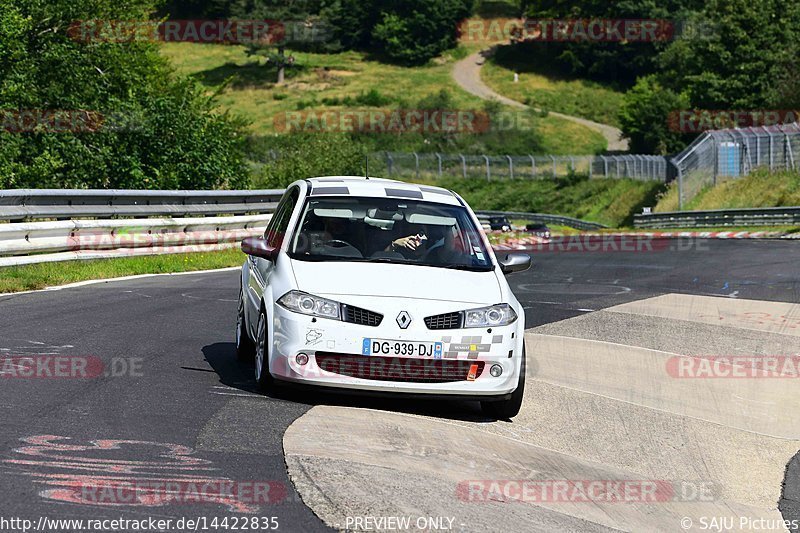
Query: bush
x=305, y=155
x=646, y=118
x=157, y=131
x=408, y=32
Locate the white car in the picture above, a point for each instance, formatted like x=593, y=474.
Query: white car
x=377, y=285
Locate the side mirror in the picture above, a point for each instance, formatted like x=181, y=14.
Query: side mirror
x=258, y=247
x=515, y=263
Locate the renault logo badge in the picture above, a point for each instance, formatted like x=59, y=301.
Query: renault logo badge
x=403, y=320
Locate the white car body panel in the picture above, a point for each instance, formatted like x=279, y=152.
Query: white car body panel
x=388, y=289
x=401, y=281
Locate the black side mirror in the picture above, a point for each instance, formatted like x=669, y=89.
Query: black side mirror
x=258, y=247
x=515, y=263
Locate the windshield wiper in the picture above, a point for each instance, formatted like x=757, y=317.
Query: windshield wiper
x=469, y=268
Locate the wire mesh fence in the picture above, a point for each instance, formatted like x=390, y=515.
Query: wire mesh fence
x=721, y=155
x=415, y=165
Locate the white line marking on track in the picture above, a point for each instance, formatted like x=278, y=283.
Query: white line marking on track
x=752, y=401
x=211, y=299
x=239, y=395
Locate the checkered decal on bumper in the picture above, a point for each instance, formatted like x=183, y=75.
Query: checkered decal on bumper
x=469, y=347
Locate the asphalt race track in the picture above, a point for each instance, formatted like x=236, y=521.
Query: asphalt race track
x=165, y=401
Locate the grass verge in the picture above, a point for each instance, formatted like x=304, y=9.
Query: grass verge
x=611, y=202
x=41, y=275
x=348, y=80
x=758, y=189
x=540, y=88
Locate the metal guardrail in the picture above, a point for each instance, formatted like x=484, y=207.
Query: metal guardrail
x=544, y=218
x=154, y=224
x=769, y=216
x=62, y=204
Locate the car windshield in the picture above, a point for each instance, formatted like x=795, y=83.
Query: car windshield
x=383, y=230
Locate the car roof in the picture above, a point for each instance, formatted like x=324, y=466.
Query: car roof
x=379, y=188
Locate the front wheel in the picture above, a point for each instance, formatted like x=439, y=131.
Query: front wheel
x=264, y=379
x=510, y=408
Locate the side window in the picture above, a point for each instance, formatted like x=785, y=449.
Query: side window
x=276, y=230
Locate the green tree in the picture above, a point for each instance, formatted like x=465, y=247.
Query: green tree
x=647, y=117
x=157, y=130
x=746, y=59
x=619, y=62
x=408, y=32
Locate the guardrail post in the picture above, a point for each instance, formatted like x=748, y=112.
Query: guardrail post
x=488, y=170
x=463, y=165
x=510, y=167
x=439, y=159
x=416, y=159
x=605, y=166
x=680, y=189
x=554, y=165
x=533, y=167
x=591, y=165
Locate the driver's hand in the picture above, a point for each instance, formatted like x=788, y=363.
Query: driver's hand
x=410, y=243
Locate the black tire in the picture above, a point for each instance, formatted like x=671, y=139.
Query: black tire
x=507, y=409
x=245, y=349
x=264, y=380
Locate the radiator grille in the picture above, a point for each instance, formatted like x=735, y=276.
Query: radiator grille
x=356, y=315
x=445, y=321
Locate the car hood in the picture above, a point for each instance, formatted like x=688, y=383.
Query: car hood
x=400, y=281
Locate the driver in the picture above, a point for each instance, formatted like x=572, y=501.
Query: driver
x=335, y=229
x=321, y=230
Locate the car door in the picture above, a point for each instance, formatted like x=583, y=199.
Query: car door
x=261, y=269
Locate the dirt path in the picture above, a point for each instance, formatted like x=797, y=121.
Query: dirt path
x=467, y=74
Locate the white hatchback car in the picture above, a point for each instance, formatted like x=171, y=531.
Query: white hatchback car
x=377, y=285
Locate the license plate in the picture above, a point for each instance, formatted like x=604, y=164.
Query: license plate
x=402, y=348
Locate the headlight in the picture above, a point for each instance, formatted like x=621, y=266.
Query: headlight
x=494, y=315
x=307, y=304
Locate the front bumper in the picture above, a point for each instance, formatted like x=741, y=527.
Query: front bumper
x=327, y=342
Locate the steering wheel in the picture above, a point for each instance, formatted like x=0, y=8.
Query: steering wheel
x=337, y=243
